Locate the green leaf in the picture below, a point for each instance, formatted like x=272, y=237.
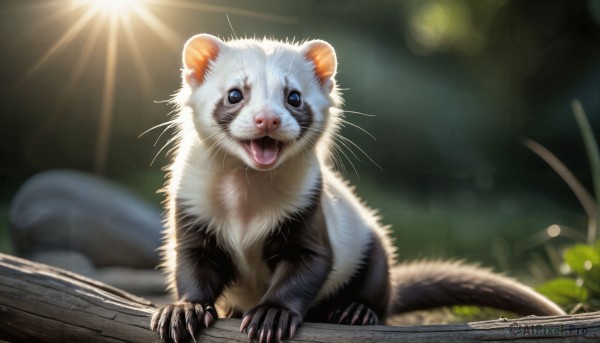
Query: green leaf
x=591, y=280
x=581, y=258
x=564, y=291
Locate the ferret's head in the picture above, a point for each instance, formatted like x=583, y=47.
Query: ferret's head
x=260, y=101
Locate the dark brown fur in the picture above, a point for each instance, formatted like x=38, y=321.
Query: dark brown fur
x=203, y=271
x=430, y=284
x=225, y=112
x=365, y=298
x=303, y=114
x=300, y=258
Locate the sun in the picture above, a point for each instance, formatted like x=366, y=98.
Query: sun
x=113, y=8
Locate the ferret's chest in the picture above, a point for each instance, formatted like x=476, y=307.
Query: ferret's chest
x=246, y=209
x=252, y=280
x=239, y=201
x=249, y=213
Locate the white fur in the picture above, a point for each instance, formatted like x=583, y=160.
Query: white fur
x=212, y=174
x=349, y=225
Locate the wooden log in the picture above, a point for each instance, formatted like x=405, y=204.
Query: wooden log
x=46, y=304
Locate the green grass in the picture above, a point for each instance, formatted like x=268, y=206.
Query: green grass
x=591, y=147
x=577, y=286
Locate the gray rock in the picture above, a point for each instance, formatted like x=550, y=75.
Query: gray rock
x=74, y=211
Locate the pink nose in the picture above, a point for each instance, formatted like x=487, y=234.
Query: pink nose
x=267, y=121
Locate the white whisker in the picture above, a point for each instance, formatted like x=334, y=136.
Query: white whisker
x=170, y=122
x=360, y=149
x=231, y=26
x=358, y=127
x=173, y=124
x=171, y=140
x=361, y=113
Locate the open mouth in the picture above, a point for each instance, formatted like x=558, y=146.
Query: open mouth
x=264, y=151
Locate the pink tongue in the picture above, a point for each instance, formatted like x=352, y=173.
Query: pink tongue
x=264, y=150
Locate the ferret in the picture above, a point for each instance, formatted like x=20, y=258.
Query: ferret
x=260, y=225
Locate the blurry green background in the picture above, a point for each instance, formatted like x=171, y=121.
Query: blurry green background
x=451, y=89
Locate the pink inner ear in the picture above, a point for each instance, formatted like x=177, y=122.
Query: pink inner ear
x=198, y=53
x=323, y=57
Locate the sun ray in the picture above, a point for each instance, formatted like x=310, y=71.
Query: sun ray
x=40, y=6
x=50, y=19
x=139, y=62
x=75, y=76
x=108, y=95
x=284, y=19
x=162, y=30
x=86, y=53
x=66, y=38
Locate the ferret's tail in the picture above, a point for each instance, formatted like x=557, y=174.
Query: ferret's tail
x=430, y=284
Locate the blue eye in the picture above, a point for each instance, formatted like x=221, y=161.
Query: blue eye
x=294, y=99
x=235, y=96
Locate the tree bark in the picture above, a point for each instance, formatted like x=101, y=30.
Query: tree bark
x=46, y=304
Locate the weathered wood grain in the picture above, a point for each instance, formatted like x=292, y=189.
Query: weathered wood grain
x=46, y=304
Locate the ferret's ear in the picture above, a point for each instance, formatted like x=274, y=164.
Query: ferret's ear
x=198, y=52
x=322, y=56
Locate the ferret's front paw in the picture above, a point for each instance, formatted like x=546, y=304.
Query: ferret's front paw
x=268, y=323
x=353, y=314
x=181, y=322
